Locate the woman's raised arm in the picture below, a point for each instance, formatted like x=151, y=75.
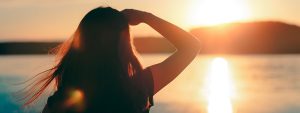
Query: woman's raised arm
x=187, y=47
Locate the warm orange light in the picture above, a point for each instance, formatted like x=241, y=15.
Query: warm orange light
x=76, y=98
x=213, y=12
x=219, y=87
x=77, y=95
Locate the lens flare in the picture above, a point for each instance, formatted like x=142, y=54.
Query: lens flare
x=77, y=96
x=219, y=87
x=76, y=99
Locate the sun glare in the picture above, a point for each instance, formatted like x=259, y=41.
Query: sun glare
x=213, y=12
x=219, y=87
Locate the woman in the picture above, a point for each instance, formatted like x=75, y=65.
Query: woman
x=98, y=71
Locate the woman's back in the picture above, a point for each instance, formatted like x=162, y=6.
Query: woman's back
x=88, y=86
x=109, y=95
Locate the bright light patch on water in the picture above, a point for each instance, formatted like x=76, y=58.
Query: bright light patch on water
x=219, y=87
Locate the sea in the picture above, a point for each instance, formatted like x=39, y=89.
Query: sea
x=210, y=84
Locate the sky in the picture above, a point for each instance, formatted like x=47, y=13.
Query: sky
x=52, y=20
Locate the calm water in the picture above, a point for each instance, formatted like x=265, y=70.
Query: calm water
x=256, y=84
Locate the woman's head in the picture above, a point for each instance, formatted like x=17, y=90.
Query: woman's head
x=100, y=32
x=102, y=38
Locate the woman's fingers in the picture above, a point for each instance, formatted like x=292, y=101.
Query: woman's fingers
x=134, y=17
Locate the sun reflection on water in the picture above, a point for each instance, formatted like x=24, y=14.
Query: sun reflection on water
x=219, y=87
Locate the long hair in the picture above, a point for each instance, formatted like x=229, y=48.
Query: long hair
x=102, y=42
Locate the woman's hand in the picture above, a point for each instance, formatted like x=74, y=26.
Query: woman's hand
x=134, y=17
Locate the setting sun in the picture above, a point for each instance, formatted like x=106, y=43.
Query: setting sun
x=219, y=87
x=213, y=12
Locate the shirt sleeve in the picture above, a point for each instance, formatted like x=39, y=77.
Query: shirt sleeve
x=55, y=102
x=147, y=79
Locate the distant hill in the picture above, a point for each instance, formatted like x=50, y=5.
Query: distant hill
x=250, y=38
x=143, y=45
x=26, y=47
x=235, y=38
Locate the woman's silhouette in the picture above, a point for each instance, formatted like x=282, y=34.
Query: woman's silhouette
x=98, y=71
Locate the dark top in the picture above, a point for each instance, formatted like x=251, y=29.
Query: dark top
x=138, y=99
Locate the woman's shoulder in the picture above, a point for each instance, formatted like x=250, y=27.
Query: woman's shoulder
x=146, y=82
x=145, y=77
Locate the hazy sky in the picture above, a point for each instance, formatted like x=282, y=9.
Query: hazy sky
x=57, y=19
